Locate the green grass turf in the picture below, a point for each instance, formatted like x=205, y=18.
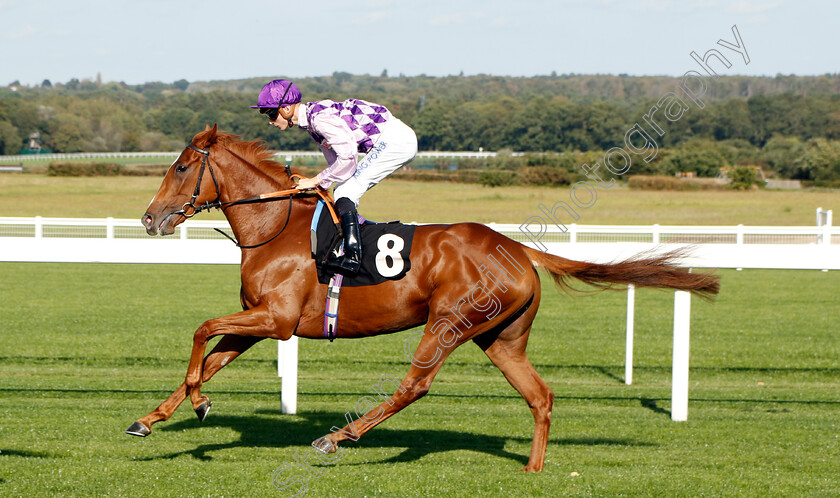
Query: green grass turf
x=87, y=349
x=128, y=197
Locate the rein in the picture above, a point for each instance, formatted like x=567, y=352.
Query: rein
x=268, y=197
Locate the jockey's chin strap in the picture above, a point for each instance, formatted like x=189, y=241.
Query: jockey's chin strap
x=271, y=196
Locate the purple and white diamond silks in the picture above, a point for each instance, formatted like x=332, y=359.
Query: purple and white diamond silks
x=361, y=116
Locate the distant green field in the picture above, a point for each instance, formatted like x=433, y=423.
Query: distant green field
x=128, y=197
x=87, y=349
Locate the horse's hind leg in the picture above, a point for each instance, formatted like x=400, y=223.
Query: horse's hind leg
x=227, y=349
x=416, y=384
x=506, y=349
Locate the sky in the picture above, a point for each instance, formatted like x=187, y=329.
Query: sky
x=138, y=41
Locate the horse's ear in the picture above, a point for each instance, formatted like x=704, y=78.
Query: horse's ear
x=207, y=137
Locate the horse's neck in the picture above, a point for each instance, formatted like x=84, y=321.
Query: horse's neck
x=257, y=222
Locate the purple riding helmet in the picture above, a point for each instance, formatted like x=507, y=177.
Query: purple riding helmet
x=278, y=93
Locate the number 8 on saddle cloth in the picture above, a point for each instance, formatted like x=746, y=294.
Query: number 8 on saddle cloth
x=386, y=249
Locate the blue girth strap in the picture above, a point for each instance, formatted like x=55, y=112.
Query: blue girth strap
x=313, y=227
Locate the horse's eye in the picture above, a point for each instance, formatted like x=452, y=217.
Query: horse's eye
x=180, y=168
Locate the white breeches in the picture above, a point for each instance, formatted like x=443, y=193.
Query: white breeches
x=397, y=145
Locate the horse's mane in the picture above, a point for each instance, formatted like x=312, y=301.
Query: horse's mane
x=255, y=152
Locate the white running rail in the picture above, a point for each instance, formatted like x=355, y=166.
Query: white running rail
x=82, y=240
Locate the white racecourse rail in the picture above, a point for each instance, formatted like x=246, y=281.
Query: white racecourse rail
x=75, y=240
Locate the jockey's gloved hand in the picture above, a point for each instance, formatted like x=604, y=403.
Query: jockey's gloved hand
x=308, y=183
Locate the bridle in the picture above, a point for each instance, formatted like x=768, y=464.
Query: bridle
x=218, y=204
x=205, y=161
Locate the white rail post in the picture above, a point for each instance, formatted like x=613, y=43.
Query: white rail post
x=628, y=354
x=287, y=369
x=827, y=228
x=109, y=228
x=827, y=231
x=679, y=380
x=39, y=227
x=819, y=217
x=824, y=221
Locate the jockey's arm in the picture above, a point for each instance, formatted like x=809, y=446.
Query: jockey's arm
x=339, y=148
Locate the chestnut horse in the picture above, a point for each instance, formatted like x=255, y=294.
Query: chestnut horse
x=450, y=286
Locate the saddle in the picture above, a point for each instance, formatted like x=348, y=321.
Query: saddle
x=386, y=251
x=386, y=248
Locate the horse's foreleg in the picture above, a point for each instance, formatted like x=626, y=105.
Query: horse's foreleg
x=228, y=348
x=254, y=323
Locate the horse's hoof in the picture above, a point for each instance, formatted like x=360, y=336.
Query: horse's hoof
x=325, y=445
x=138, y=429
x=203, y=409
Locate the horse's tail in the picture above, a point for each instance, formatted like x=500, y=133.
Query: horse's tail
x=643, y=270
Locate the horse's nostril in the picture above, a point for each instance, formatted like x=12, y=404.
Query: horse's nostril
x=147, y=220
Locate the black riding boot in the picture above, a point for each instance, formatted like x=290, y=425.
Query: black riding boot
x=350, y=262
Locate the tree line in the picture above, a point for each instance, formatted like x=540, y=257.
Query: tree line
x=790, y=125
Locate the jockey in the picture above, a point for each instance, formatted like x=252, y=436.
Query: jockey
x=342, y=131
